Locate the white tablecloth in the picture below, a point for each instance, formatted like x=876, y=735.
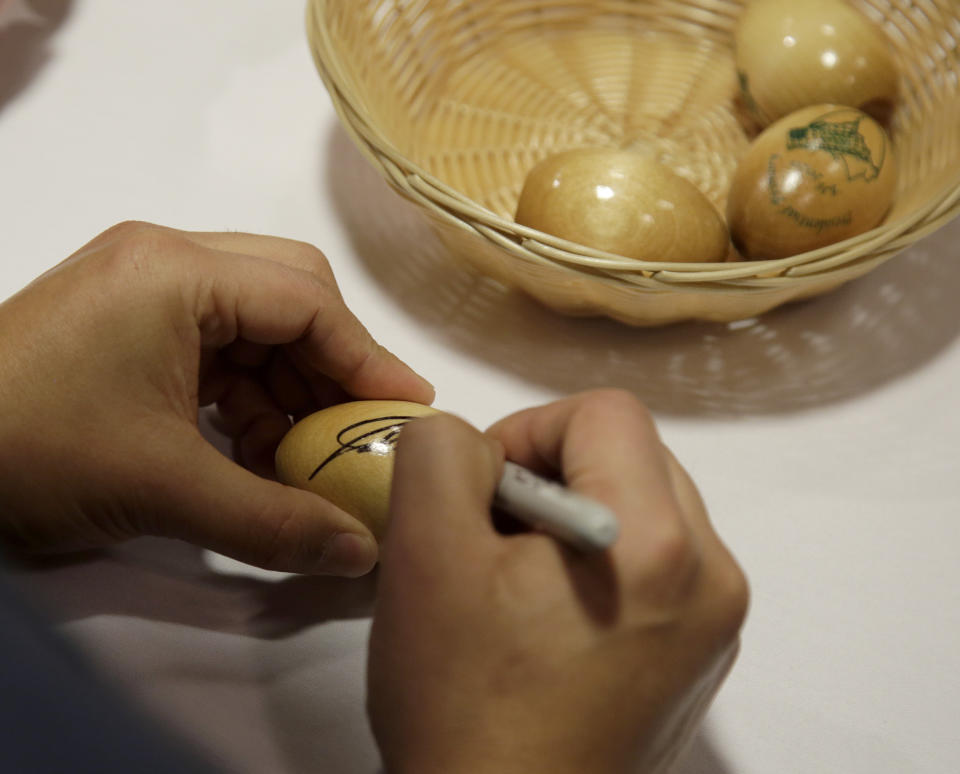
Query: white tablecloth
x=823, y=436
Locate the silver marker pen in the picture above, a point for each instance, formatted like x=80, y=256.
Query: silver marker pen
x=552, y=508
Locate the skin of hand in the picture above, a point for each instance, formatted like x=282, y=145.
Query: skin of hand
x=512, y=653
x=106, y=359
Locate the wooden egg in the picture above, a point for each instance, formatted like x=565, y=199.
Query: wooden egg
x=345, y=454
x=793, y=54
x=622, y=202
x=820, y=175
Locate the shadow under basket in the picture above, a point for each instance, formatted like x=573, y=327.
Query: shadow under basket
x=454, y=101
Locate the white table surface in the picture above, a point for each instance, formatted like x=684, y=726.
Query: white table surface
x=823, y=437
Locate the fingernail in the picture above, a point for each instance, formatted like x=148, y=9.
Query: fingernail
x=348, y=554
x=429, y=387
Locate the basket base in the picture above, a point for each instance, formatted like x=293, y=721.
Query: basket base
x=573, y=293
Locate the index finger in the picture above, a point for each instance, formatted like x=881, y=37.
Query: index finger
x=605, y=446
x=266, y=301
x=274, y=291
x=290, y=252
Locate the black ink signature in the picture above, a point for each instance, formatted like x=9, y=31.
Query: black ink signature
x=378, y=435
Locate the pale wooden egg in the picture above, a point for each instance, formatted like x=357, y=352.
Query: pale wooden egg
x=345, y=454
x=820, y=175
x=622, y=202
x=793, y=54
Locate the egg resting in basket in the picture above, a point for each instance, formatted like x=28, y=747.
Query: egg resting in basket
x=455, y=101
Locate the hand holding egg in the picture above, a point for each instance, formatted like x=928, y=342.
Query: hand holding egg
x=345, y=454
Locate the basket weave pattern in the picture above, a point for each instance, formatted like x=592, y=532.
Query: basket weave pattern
x=455, y=100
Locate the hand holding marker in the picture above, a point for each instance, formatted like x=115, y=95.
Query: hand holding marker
x=345, y=454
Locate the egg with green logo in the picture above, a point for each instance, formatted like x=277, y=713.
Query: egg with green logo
x=815, y=177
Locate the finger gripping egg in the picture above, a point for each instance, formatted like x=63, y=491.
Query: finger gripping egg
x=345, y=454
x=622, y=202
x=793, y=54
x=820, y=175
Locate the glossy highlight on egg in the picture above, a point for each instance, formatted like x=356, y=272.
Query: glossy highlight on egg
x=345, y=454
x=622, y=202
x=792, y=54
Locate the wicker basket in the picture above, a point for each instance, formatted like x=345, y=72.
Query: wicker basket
x=455, y=100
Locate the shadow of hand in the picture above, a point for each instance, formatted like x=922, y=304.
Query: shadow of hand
x=24, y=41
x=171, y=581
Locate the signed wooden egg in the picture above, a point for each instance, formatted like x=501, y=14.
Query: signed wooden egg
x=345, y=454
x=820, y=175
x=622, y=202
x=793, y=54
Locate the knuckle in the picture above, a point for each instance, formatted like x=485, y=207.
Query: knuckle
x=616, y=397
x=282, y=548
x=729, y=597
x=125, y=228
x=322, y=285
x=138, y=246
x=133, y=234
x=620, y=403
x=310, y=255
x=515, y=578
x=673, y=564
x=365, y=353
x=312, y=259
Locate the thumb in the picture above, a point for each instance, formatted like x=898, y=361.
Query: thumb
x=444, y=478
x=209, y=500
